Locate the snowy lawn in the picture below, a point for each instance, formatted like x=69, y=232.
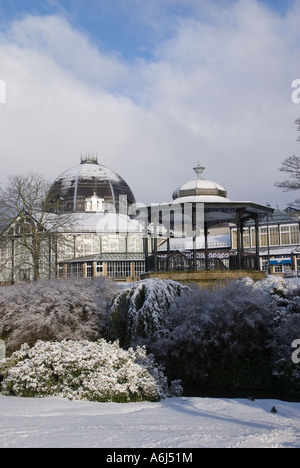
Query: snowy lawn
x=172, y=423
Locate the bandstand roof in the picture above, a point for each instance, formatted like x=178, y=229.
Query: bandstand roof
x=217, y=207
x=227, y=211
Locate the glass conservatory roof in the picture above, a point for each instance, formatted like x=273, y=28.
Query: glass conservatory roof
x=89, y=186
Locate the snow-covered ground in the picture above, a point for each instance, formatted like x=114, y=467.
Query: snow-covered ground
x=172, y=423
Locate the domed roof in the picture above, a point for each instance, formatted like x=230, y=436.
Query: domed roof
x=200, y=190
x=89, y=187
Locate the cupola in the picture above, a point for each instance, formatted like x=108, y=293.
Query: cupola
x=200, y=189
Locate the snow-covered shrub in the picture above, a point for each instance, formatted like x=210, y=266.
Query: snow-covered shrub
x=274, y=285
x=54, y=310
x=219, y=338
x=237, y=336
x=285, y=296
x=138, y=313
x=83, y=370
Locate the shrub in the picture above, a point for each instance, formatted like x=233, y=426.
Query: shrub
x=139, y=312
x=218, y=338
x=83, y=370
x=53, y=311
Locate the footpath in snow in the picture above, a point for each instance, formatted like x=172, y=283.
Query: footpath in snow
x=171, y=423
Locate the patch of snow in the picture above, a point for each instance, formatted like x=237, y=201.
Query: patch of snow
x=172, y=423
x=274, y=283
x=98, y=171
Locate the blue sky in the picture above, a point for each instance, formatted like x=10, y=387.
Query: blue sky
x=153, y=87
x=129, y=27
x=124, y=27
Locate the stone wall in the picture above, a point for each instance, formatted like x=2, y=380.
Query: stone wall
x=206, y=278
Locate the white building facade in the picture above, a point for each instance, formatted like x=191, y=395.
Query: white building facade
x=100, y=238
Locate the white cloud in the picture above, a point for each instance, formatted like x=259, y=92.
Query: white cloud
x=218, y=91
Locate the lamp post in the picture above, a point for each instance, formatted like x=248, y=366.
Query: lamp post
x=268, y=242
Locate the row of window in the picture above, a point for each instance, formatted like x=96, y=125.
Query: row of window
x=278, y=235
x=114, y=269
x=73, y=246
x=125, y=269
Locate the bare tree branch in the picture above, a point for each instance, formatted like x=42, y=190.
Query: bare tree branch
x=25, y=218
x=291, y=166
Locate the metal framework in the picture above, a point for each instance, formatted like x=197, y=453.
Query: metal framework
x=211, y=214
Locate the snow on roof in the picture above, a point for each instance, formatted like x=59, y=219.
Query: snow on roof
x=99, y=222
x=200, y=188
x=201, y=199
x=201, y=184
x=186, y=243
x=87, y=171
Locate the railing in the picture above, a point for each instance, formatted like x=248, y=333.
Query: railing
x=186, y=262
x=188, y=245
x=292, y=274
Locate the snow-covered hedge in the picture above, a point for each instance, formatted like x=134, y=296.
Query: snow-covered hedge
x=53, y=311
x=236, y=336
x=83, y=370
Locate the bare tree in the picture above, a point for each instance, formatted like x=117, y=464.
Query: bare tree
x=26, y=221
x=291, y=166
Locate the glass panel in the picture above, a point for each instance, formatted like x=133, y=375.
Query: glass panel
x=274, y=235
x=285, y=235
x=263, y=237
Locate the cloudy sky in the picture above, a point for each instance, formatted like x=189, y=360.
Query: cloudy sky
x=152, y=87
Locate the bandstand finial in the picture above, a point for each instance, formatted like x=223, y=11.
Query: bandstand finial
x=199, y=170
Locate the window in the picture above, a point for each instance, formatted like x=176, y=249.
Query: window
x=234, y=238
x=289, y=234
x=96, y=244
x=263, y=237
x=274, y=235
x=113, y=243
x=89, y=270
x=246, y=238
x=60, y=270
x=285, y=234
x=265, y=264
x=119, y=269
x=139, y=268
x=75, y=270
x=294, y=234
x=87, y=246
x=25, y=274
x=135, y=243
x=253, y=237
x=94, y=203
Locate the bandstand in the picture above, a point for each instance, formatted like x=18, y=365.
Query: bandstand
x=197, y=207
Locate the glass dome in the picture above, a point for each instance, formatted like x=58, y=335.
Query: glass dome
x=89, y=187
